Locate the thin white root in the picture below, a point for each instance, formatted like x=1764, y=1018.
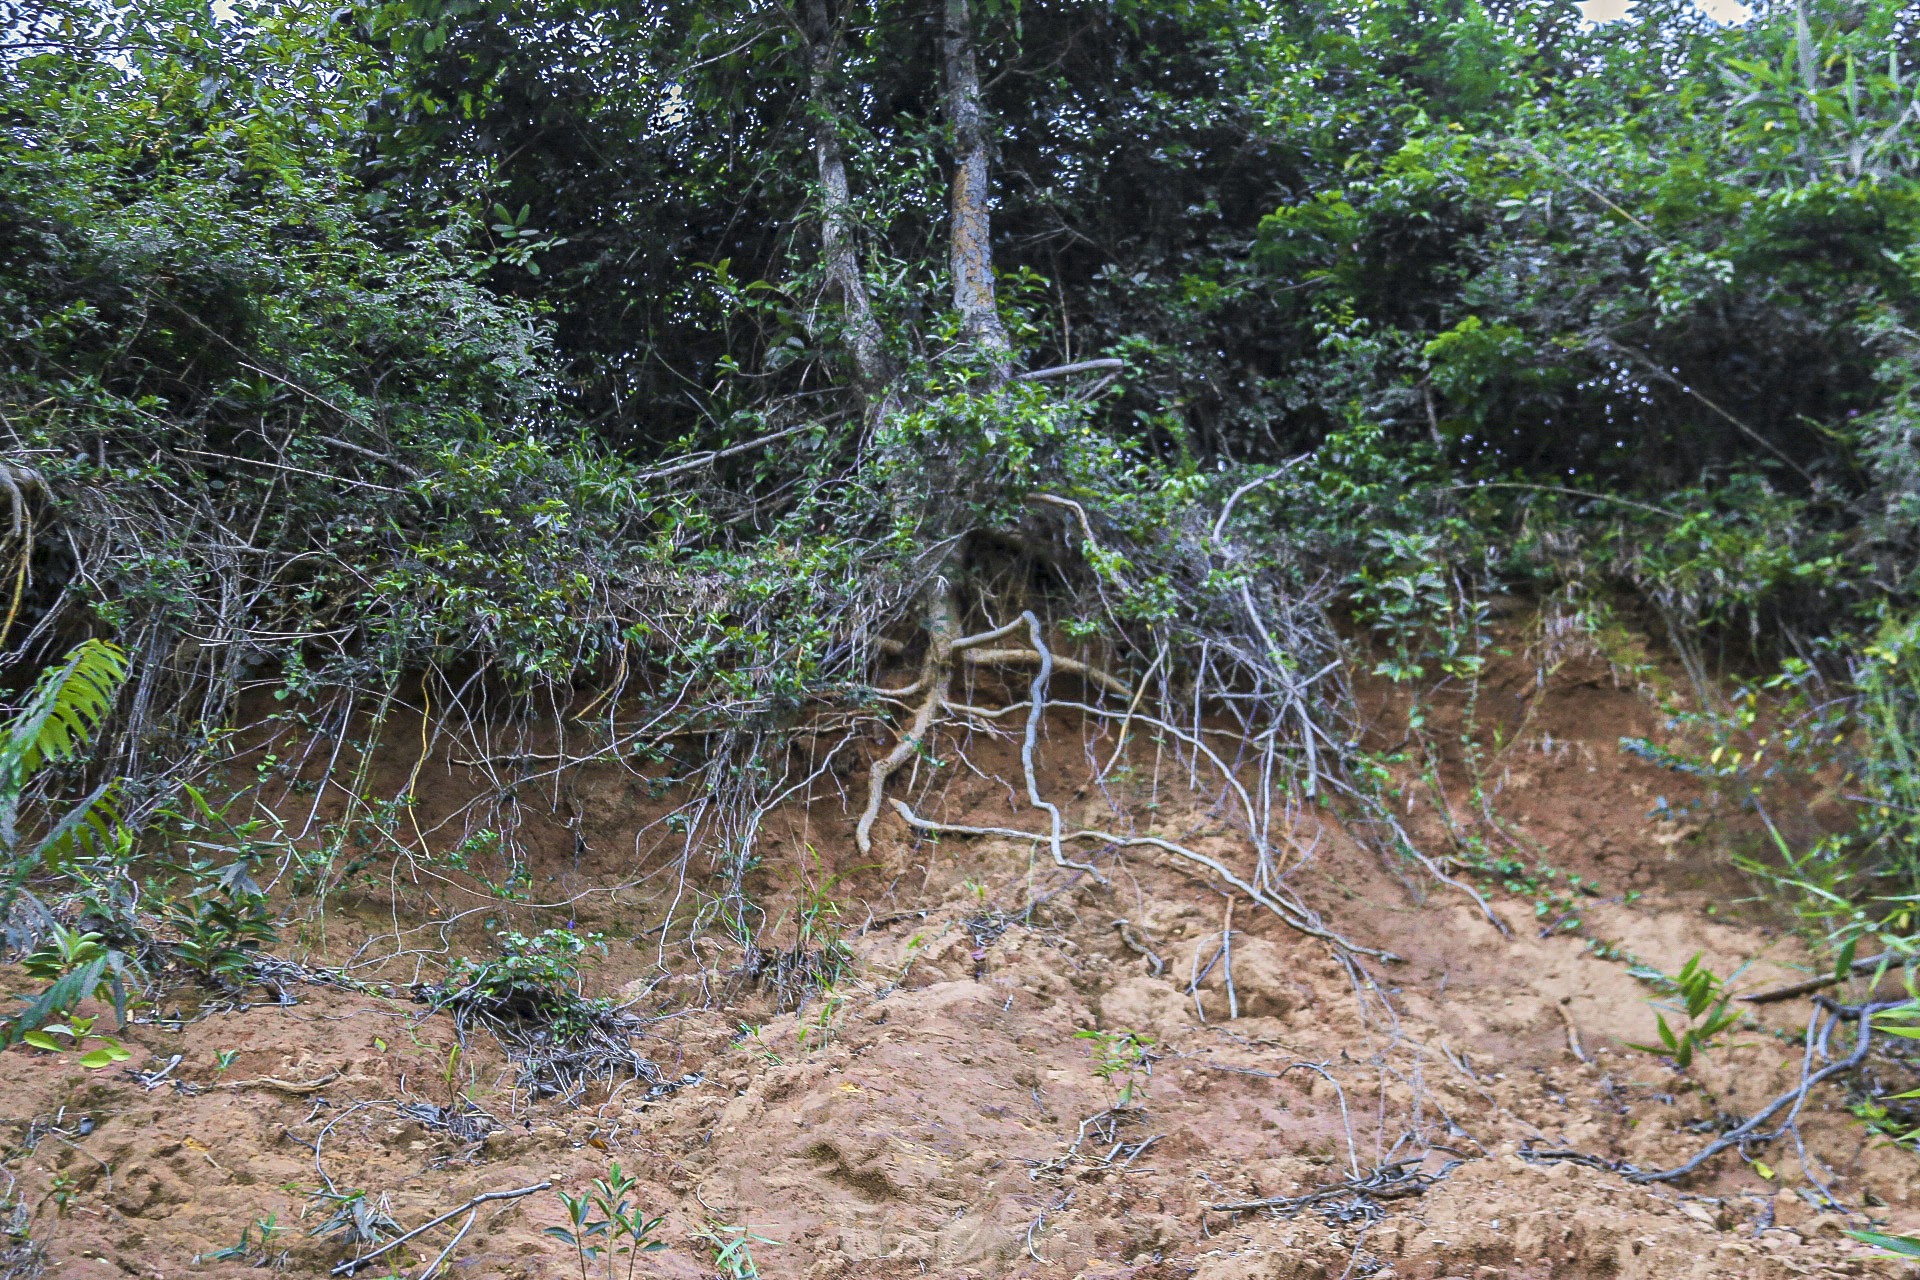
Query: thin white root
x=1038, y=698
x=1291, y=915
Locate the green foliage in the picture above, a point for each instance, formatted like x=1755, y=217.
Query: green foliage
x=525, y=307
x=1124, y=1056
x=732, y=1248
x=78, y=966
x=544, y=963
x=94, y=1051
x=352, y=1218
x=1703, y=1001
x=625, y=1228
x=64, y=710
x=1895, y=1246
x=1887, y=675
x=534, y=980
x=220, y=927
x=253, y=1246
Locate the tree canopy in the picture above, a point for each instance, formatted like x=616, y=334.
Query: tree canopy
x=707, y=354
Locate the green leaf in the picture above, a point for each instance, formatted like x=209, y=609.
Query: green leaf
x=1898, y=1246
x=66, y=706
x=104, y=1056
x=41, y=1040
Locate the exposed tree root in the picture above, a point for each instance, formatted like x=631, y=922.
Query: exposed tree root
x=936, y=676
x=1037, y=699
x=1296, y=916
x=1067, y=666
x=1795, y=1097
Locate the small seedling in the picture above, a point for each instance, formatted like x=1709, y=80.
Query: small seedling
x=61, y=1191
x=733, y=1249
x=1121, y=1055
x=95, y=1051
x=222, y=1059
x=1704, y=999
x=817, y=1031
x=627, y=1230
x=248, y=1249
x=354, y=1219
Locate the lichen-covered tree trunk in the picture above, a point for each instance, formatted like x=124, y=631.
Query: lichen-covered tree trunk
x=862, y=331
x=970, y=243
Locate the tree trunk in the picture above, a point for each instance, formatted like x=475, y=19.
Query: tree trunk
x=871, y=363
x=971, y=244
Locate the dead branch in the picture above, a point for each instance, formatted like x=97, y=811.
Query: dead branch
x=348, y=1267
x=1226, y=963
x=1788, y=992
x=715, y=455
x=1389, y=1181
x=1067, y=370
x=1226, y=508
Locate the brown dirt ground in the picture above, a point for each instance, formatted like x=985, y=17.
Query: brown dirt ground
x=922, y=1126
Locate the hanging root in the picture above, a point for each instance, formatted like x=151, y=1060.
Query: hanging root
x=936, y=676
x=1295, y=915
x=935, y=682
x=1037, y=699
x=1035, y=657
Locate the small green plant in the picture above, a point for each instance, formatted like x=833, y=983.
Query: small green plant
x=1895, y=1246
x=222, y=1059
x=817, y=915
x=61, y=1190
x=353, y=1218
x=1125, y=1056
x=488, y=845
x=95, y=1051
x=535, y=978
x=219, y=928
x=817, y=1031
x=80, y=966
x=546, y=962
x=252, y=1246
x=733, y=1249
x=1704, y=1000
x=626, y=1229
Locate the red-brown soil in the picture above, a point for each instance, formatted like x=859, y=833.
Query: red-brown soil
x=921, y=1121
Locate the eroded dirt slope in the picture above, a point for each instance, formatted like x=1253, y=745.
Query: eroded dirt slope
x=940, y=1115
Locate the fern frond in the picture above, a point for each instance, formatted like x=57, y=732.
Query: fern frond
x=65, y=709
x=91, y=827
